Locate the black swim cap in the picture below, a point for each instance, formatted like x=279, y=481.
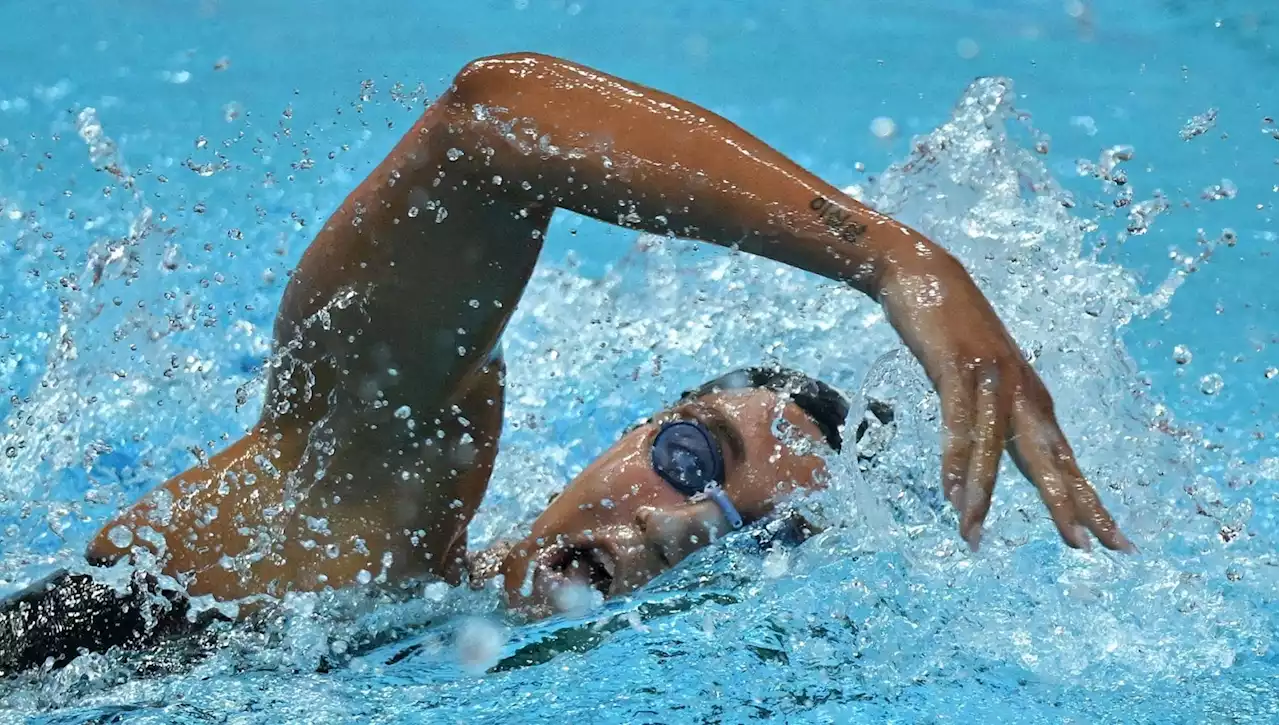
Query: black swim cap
x=822, y=403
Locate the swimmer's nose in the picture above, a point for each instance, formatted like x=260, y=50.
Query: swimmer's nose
x=675, y=534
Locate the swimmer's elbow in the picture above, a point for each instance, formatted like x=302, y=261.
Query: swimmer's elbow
x=484, y=78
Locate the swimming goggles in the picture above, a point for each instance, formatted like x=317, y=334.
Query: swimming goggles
x=686, y=455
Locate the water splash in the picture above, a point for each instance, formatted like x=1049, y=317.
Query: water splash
x=884, y=613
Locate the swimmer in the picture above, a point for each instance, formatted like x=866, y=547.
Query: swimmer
x=384, y=401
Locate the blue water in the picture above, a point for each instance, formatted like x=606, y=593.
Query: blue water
x=884, y=618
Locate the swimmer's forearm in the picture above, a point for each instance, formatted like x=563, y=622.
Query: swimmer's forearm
x=559, y=133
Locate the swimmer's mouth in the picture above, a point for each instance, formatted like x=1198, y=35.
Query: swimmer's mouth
x=588, y=565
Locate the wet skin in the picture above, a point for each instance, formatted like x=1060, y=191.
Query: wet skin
x=401, y=299
x=619, y=524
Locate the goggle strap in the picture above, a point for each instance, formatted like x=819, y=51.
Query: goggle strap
x=717, y=494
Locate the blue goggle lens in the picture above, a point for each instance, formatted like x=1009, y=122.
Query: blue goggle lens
x=686, y=455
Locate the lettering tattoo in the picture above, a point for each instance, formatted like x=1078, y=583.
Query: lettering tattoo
x=837, y=220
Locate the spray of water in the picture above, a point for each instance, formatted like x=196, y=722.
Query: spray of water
x=884, y=612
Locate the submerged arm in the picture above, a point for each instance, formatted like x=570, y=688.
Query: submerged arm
x=540, y=130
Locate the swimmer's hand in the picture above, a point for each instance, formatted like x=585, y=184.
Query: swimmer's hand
x=992, y=400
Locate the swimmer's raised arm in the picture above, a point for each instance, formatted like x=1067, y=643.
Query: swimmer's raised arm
x=548, y=132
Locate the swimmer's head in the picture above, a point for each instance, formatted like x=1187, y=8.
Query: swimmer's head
x=726, y=454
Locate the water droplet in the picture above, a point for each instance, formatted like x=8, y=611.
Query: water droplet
x=633, y=619
x=478, y=644
x=120, y=537
x=1198, y=125
x=1181, y=354
x=883, y=127
x=775, y=563
x=575, y=599
x=1211, y=384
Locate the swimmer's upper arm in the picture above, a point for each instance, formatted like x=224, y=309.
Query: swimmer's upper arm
x=629, y=155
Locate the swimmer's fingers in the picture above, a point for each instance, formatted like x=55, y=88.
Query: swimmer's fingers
x=991, y=422
x=1042, y=453
x=1089, y=509
x=957, y=438
x=1037, y=464
x=975, y=412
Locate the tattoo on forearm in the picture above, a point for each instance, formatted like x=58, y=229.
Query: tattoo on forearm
x=837, y=220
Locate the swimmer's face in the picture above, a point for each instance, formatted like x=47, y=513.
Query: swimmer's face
x=619, y=524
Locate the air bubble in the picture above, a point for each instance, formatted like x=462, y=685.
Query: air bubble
x=453, y=154
x=403, y=412
x=413, y=211
x=1181, y=354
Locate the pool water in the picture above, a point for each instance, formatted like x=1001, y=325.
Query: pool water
x=134, y=315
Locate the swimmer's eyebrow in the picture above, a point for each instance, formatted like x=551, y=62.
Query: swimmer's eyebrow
x=709, y=415
x=718, y=422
